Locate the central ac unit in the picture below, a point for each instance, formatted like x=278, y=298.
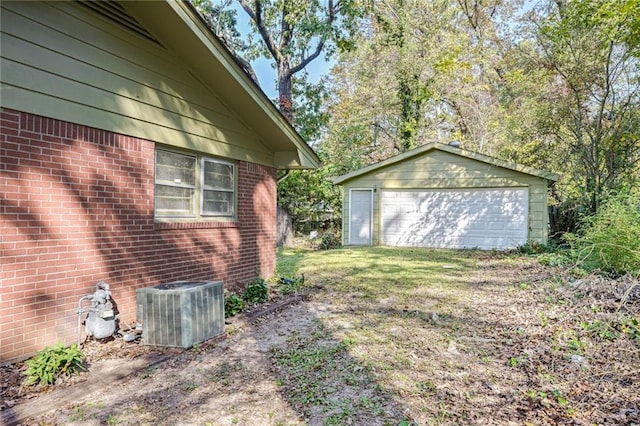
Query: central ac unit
x=181, y=313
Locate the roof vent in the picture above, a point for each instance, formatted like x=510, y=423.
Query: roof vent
x=115, y=12
x=181, y=313
x=455, y=144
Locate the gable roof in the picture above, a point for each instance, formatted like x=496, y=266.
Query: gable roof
x=178, y=26
x=452, y=150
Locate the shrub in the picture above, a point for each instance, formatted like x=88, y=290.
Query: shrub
x=257, y=291
x=330, y=239
x=610, y=241
x=534, y=248
x=233, y=305
x=562, y=259
x=53, y=361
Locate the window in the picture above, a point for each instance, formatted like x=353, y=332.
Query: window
x=193, y=186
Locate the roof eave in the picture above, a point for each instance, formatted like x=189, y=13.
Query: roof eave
x=240, y=92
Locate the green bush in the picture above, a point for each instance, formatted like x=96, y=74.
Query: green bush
x=53, y=361
x=256, y=291
x=330, y=239
x=533, y=248
x=233, y=305
x=610, y=241
x=562, y=259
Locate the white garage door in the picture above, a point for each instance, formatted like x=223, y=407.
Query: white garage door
x=461, y=218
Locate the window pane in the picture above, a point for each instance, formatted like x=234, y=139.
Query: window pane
x=172, y=199
x=217, y=202
x=218, y=175
x=176, y=168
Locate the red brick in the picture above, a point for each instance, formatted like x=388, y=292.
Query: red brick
x=86, y=213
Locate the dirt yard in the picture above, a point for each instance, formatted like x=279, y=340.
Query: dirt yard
x=377, y=337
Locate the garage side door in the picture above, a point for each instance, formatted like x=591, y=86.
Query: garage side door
x=360, y=216
x=461, y=218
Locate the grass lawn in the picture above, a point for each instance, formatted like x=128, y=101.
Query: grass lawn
x=382, y=336
x=412, y=336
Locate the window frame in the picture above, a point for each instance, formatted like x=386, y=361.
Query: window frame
x=204, y=188
x=198, y=214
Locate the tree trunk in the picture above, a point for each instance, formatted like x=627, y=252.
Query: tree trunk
x=285, y=90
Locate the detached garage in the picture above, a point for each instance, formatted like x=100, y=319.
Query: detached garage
x=441, y=196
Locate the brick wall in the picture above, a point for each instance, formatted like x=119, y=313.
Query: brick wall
x=77, y=207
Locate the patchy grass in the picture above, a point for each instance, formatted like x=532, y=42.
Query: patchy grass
x=322, y=380
x=458, y=337
x=384, y=336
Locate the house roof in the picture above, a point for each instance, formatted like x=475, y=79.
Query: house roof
x=452, y=150
x=178, y=26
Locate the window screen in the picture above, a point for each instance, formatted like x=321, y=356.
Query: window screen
x=193, y=186
x=217, y=188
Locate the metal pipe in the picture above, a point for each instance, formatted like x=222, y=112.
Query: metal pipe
x=80, y=312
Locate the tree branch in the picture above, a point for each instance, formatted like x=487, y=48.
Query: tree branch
x=309, y=58
x=331, y=16
x=255, y=14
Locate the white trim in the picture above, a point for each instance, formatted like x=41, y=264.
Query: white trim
x=370, y=190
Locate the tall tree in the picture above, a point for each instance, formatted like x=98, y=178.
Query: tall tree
x=592, y=58
x=438, y=74
x=295, y=33
x=291, y=33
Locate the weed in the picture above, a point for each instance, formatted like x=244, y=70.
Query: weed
x=78, y=414
x=288, y=285
x=532, y=248
x=222, y=373
x=188, y=387
x=80, y=411
x=53, y=361
x=556, y=259
x=630, y=326
x=112, y=420
x=547, y=399
x=316, y=371
x=147, y=372
x=603, y=330
x=524, y=286
x=544, y=320
x=233, y=305
x=623, y=325
x=256, y=291
x=427, y=387
x=576, y=345
x=610, y=241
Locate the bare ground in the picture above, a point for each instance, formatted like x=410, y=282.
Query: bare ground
x=525, y=344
